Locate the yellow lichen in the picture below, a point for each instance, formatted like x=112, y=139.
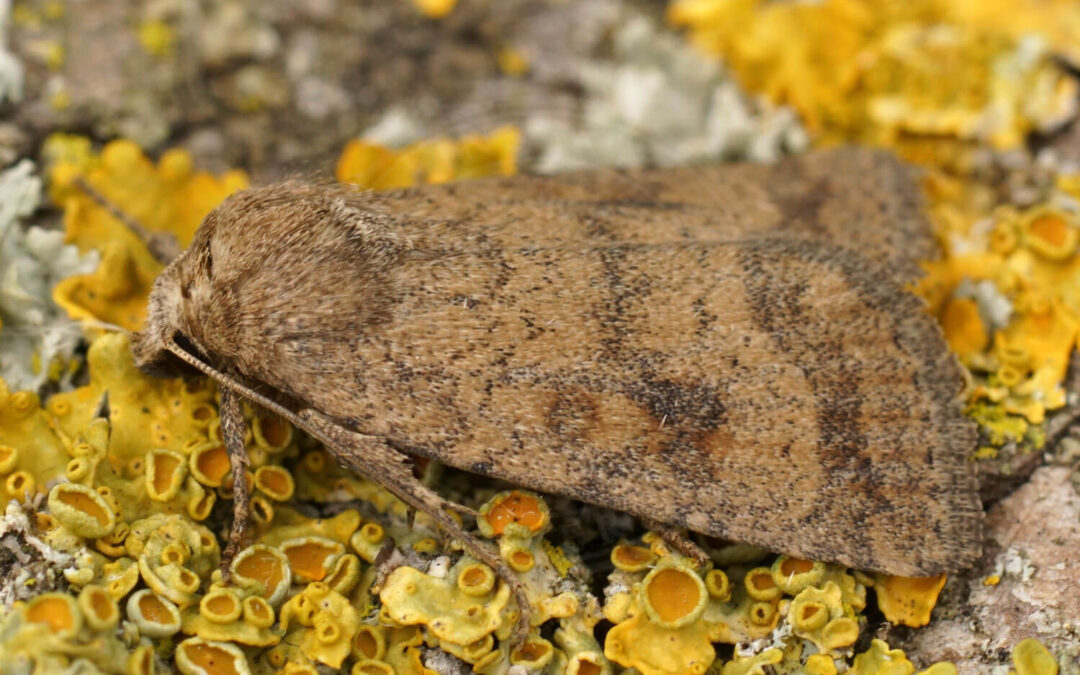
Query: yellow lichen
x=311, y=558
x=925, y=76
x=761, y=586
x=56, y=610
x=818, y=615
x=517, y=513
x=1030, y=657
x=792, y=575
x=908, y=600
x=663, y=631
x=438, y=161
x=322, y=621
x=880, y=660
x=410, y=597
x=224, y=615
x=196, y=656
x=369, y=643
x=631, y=558
x=264, y=570
x=819, y=664
x=753, y=665
x=178, y=580
x=673, y=596
x=209, y=463
x=275, y=482
x=155, y=616
x=31, y=455
x=165, y=473
x=98, y=608
x=82, y=510
x=435, y=9
x=718, y=585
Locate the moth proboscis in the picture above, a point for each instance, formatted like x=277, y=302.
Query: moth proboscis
x=727, y=349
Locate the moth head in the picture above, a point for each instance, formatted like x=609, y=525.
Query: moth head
x=173, y=309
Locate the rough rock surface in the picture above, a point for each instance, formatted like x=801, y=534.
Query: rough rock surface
x=1032, y=546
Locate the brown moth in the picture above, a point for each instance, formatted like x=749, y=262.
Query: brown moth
x=728, y=349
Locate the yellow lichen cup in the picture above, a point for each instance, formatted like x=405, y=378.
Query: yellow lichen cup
x=221, y=606
x=98, y=608
x=265, y=570
x=519, y=558
x=311, y=558
x=792, y=575
x=476, y=579
x=154, y=615
x=718, y=585
x=345, y=575
x=258, y=612
x=141, y=660
x=9, y=459
x=762, y=613
x=760, y=585
x=262, y=511
x=82, y=510
x=586, y=663
x=809, y=616
x=209, y=463
x=673, y=595
x=516, y=513
x=1051, y=233
x=630, y=558
x=369, y=643
x=58, y=611
x=275, y=482
x=534, y=655
x=369, y=667
x=196, y=656
x=165, y=474
x=20, y=485
x=200, y=502
x=272, y=432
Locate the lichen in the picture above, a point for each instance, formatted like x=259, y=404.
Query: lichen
x=908, y=601
x=889, y=74
x=169, y=197
x=37, y=340
x=1030, y=657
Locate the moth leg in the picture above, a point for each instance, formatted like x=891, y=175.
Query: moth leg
x=232, y=429
x=679, y=541
x=462, y=509
x=371, y=457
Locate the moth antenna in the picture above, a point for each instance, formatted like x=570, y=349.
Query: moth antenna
x=104, y=325
x=228, y=382
x=163, y=246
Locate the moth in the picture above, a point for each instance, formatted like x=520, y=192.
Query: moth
x=725, y=349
